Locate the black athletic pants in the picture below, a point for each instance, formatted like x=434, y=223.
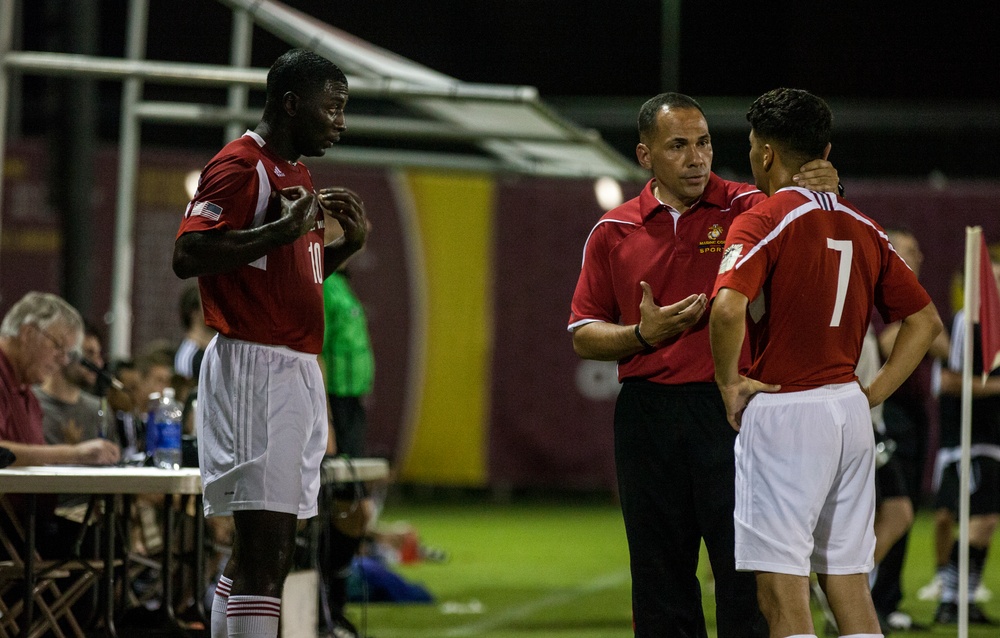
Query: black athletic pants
x=910, y=435
x=676, y=474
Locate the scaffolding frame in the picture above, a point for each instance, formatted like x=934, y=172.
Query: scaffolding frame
x=511, y=128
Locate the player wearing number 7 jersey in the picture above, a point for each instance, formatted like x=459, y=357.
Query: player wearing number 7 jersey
x=802, y=271
x=254, y=236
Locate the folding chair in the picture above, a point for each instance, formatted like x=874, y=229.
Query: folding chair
x=53, y=597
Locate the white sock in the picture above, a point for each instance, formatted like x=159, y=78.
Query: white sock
x=253, y=616
x=219, y=629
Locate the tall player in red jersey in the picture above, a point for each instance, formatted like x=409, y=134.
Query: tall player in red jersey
x=254, y=237
x=803, y=271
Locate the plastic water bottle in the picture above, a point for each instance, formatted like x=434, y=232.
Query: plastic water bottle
x=152, y=404
x=168, y=432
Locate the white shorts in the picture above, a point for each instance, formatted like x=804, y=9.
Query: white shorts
x=262, y=428
x=805, y=483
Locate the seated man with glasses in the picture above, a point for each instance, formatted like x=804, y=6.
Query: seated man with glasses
x=39, y=335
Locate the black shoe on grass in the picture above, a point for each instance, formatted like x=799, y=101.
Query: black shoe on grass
x=946, y=614
x=977, y=617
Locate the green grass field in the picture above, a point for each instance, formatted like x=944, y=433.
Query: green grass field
x=557, y=570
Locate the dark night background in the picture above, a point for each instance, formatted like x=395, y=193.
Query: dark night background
x=928, y=74
x=913, y=87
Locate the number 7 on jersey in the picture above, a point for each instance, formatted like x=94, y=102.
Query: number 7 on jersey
x=846, y=249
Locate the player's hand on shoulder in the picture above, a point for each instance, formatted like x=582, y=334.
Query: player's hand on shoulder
x=346, y=207
x=298, y=206
x=818, y=175
x=659, y=323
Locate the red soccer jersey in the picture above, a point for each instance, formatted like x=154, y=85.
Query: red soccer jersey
x=278, y=299
x=677, y=255
x=813, y=266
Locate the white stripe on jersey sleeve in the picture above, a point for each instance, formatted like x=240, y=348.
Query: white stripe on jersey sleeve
x=263, y=195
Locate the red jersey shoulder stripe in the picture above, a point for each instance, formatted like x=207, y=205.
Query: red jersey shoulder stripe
x=815, y=201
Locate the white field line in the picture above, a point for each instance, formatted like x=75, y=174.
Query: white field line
x=608, y=581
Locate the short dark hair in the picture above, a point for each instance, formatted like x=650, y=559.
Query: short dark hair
x=90, y=329
x=156, y=354
x=649, y=110
x=794, y=118
x=117, y=366
x=301, y=72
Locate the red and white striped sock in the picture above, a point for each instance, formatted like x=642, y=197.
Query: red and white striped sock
x=253, y=616
x=219, y=629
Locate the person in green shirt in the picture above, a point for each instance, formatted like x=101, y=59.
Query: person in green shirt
x=348, y=362
x=349, y=371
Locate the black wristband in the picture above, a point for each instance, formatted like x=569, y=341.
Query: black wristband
x=647, y=346
x=840, y=188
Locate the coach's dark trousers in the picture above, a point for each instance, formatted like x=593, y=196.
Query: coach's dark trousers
x=676, y=474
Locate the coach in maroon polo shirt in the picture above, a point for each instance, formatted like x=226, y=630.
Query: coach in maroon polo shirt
x=37, y=337
x=673, y=444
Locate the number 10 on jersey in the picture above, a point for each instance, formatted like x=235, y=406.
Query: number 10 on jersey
x=316, y=256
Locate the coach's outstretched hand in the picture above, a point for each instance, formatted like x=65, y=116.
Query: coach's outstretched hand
x=659, y=323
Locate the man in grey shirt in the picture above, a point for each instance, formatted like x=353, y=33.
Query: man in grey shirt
x=71, y=413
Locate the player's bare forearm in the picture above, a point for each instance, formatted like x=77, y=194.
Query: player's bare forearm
x=217, y=251
x=603, y=341
x=939, y=347
x=916, y=332
x=90, y=452
x=951, y=384
x=221, y=250
x=726, y=330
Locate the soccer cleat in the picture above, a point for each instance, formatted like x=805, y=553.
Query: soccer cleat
x=433, y=554
x=902, y=621
x=343, y=628
x=983, y=595
x=932, y=590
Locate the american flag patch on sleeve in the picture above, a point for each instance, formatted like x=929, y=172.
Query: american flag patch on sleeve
x=208, y=210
